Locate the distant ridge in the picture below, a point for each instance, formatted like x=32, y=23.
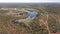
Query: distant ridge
x=17, y=5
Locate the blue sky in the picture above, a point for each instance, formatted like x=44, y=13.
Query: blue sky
x=29, y=1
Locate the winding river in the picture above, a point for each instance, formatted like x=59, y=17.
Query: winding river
x=31, y=15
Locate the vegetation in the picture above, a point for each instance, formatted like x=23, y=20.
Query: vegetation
x=36, y=26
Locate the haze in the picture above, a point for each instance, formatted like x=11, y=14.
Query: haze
x=27, y=1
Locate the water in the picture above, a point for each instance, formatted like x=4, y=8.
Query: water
x=32, y=14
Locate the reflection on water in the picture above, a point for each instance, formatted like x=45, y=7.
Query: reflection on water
x=32, y=14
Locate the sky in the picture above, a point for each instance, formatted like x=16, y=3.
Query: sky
x=27, y=1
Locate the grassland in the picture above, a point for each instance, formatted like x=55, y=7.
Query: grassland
x=46, y=22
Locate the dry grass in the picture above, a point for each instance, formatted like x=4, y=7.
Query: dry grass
x=43, y=24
